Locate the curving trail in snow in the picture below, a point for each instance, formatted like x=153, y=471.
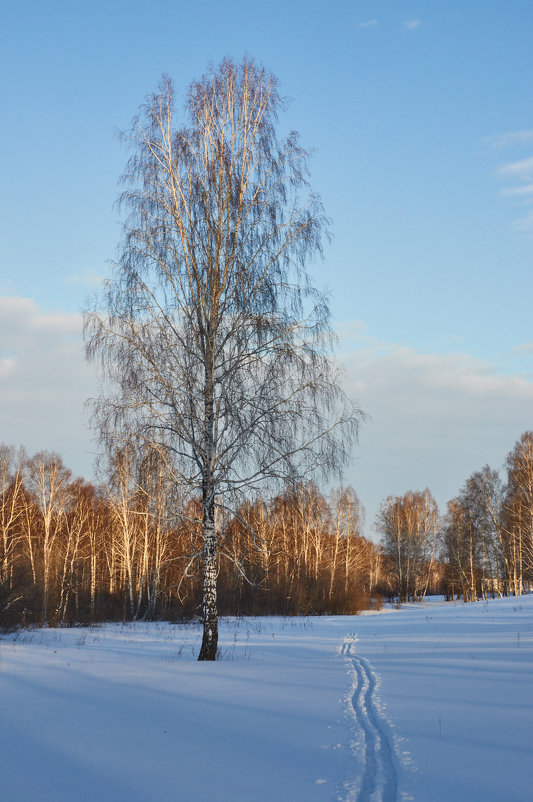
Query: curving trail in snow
x=379, y=780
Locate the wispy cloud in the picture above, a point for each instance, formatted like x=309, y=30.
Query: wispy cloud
x=407, y=25
x=524, y=224
x=523, y=191
x=521, y=170
x=90, y=280
x=510, y=139
x=527, y=348
x=411, y=24
x=517, y=175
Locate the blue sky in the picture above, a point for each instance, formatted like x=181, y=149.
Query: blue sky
x=421, y=114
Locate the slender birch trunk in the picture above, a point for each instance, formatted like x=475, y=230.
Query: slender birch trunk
x=209, y=646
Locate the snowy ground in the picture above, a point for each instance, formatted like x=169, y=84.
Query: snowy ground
x=432, y=702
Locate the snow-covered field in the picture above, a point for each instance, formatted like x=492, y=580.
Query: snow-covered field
x=431, y=702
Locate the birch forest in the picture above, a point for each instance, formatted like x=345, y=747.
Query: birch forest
x=72, y=552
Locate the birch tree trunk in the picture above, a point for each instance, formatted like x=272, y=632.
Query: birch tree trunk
x=208, y=650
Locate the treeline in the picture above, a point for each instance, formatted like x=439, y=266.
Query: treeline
x=482, y=546
x=71, y=552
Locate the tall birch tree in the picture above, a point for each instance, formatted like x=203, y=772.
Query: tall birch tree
x=214, y=343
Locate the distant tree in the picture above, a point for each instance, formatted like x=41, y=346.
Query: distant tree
x=497, y=567
x=73, y=547
x=488, y=531
x=11, y=512
x=11, y=508
x=350, y=556
x=211, y=334
x=48, y=481
x=518, y=512
x=137, y=496
x=461, y=549
x=474, y=539
x=408, y=526
x=300, y=552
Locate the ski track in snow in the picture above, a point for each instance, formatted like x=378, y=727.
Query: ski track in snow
x=379, y=781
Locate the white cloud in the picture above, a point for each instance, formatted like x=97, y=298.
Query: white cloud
x=13, y=309
x=411, y=25
x=45, y=382
x=371, y=23
x=60, y=322
x=350, y=330
x=434, y=419
x=6, y=366
x=521, y=170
